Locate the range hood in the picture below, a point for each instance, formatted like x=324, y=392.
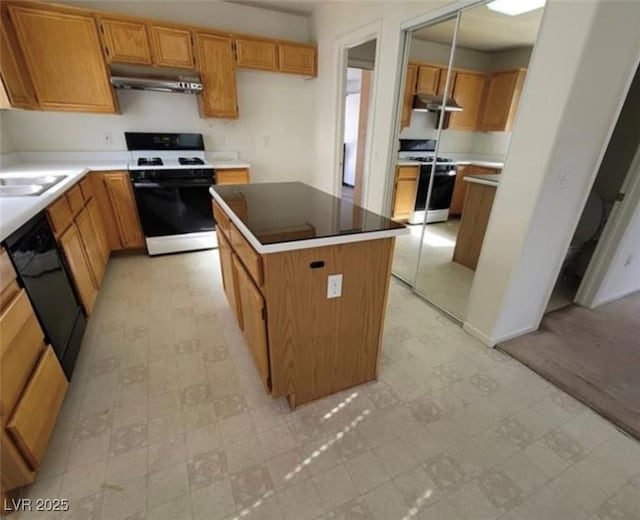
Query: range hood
x=180, y=84
x=431, y=103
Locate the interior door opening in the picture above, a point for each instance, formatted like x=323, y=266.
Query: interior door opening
x=606, y=195
x=359, y=74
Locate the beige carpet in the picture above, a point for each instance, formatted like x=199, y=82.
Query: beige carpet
x=593, y=355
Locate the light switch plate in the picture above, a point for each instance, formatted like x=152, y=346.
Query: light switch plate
x=334, y=286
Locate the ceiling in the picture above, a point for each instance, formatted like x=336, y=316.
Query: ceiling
x=485, y=30
x=297, y=7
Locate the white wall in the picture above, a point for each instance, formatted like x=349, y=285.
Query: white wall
x=438, y=53
x=6, y=142
x=571, y=100
x=274, y=133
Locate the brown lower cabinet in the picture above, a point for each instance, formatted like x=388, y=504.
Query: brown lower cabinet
x=460, y=186
x=32, y=386
x=232, y=176
x=78, y=262
x=123, y=209
x=254, y=326
x=404, y=191
x=304, y=345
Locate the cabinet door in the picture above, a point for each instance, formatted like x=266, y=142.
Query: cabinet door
x=253, y=317
x=409, y=92
x=123, y=203
x=229, y=277
x=459, y=192
x=15, y=471
x=219, y=96
x=35, y=415
x=502, y=99
x=100, y=195
x=81, y=273
x=428, y=78
x=172, y=47
x=256, y=54
x=15, y=78
x=89, y=237
x=297, y=59
x=101, y=235
x=21, y=344
x=404, y=198
x=125, y=41
x=467, y=92
x=232, y=176
x=64, y=58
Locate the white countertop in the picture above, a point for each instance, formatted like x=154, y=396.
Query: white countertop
x=408, y=162
x=226, y=164
x=480, y=162
x=15, y=211
x=487, y=180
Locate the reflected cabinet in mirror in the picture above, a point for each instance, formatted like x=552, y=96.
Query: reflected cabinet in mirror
x=462, y=90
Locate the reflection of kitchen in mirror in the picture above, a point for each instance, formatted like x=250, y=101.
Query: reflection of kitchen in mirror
x=490, y=59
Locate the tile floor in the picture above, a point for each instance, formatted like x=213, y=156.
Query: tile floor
x=440, y=279
x=166, y=419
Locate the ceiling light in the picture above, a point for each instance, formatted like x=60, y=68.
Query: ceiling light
x=515, y=7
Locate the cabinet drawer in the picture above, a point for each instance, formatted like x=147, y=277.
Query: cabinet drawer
x=86, y=188
x=75, y=199
x=246, y=253
x=60, y=215
x=222, y=221
x=232, y=176
x=35, y=415
x=407, y=172
x=20, y=346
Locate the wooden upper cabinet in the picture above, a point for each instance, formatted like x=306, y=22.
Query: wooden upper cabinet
x=15, y=78
x=64, y=59
x=409, y=92
x=428, y=79
x=123, y=206
x=467, y=92
x=443, y=80
x=219, y=97
x=256, y=54
x=172, y=47
x=297, y=59
x=502, y=100
x=125, y=41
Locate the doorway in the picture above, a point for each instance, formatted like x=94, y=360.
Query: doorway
x=359, y=73
x=606, y=195
x=463, y=83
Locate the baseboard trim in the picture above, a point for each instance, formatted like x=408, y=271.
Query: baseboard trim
x=472, y=331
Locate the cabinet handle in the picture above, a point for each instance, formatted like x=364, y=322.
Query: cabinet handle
x=317, y=264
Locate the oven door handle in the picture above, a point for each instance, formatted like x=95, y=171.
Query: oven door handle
x=176, y=184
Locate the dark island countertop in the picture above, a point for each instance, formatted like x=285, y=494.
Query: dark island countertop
x=285, y=216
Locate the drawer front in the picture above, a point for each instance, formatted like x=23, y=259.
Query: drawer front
x=232, y=176
x=222, y=221
x=246, y=253
x=15, y=471
x=35, y=414
x=75, y=199
x=60, y=215
x=21, y=343
x=408, y=172
x=7, y=272
x=86, y=188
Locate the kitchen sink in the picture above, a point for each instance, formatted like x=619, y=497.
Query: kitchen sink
x=27, y=186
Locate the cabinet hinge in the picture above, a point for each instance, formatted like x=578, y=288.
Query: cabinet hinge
x=234, y=50
x=264, y=314
x=619, y=197
x=102, y=28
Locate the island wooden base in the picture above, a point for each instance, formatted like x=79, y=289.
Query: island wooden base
x=304, y=344
x=318, y=345
x=473, y=225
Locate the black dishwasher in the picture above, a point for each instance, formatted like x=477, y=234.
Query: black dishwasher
x=34, y=253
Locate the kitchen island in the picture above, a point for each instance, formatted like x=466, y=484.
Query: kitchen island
x=475, y=217
x=306, y=275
